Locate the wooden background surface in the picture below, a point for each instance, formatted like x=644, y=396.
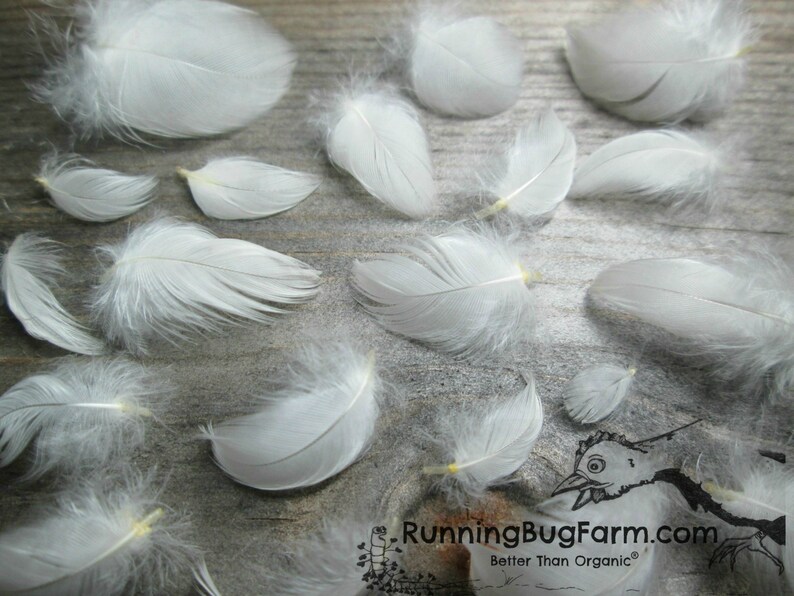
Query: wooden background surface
x=242, y=530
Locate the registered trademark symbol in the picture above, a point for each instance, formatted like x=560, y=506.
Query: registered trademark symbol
x=635, y=554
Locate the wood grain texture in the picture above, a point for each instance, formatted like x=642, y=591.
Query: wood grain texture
x=244, y=531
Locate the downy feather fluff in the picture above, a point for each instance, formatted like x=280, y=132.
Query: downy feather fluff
x=639, y=508
x=750, y=485
x=171, y=277
x=738, y=310
x=327, y=565
x=537, y=170
x=90, y=193
x=244, y=188
x=377, y=137
x=97, y=541
x=665, y=62
x=29, y=269
x=82, y=414
x=668, y=166
x=463, y=292
x=318, y=424
x=597, y=391
x=488, y=444
x=175, y=68
x=464, y=66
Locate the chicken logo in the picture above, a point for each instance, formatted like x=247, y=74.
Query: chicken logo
x=608, y=466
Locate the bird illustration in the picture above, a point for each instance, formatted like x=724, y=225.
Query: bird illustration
x=608, y=466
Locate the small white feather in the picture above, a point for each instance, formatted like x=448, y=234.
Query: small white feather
x=327, y=565
x=93, y=194
x=97, y=541
x=666, y=62
x=464, y=292
x=668, y=166
x=203, y=580
x=377, y=137
x=737, y=310
x=596, y=392
x=29, y=268
x=487, y=445
x=175, y=68
x=537, y=170
x=82, y=414
x=318, y=424
x=464, y=66
x=171, y=277
x=244, y=188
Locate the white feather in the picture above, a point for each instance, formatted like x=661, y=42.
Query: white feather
x=737, y=310
x=318, y=424
x=377, y=137
x=170, y=277
x=487, y=445
x=665, y=62
x=596, y=392
x=175, y=68
x=243, y=188
x=639, y=508
x=29, y=268
x=96, y=541
x=205, y=584
x=326, y=565
x=537, y=169
x=82, y=414
x=750, y=485
x=464, y=292
x=665, y=165
x=464, y=66
x=93, y=194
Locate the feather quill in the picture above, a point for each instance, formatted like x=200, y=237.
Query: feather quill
x=489, y=445
x=96, y=541
x=537, y=170
x=665, y=165
x=82, y=414
x=28, y=270
x=464, y=66
x=93, y=194
x=738, y=310
x=464, y=293
x=667, y=62
x=243, y=188
x=640, y=508
x=174, y=68
x=377, y=137
x=318, y=424
x=170, y=277
x=596, y=392
x=203, y=580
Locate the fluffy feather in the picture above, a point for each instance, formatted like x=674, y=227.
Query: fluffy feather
x=738, y=310
x=175, y=68
x=596, y=392
x=326, y=565
x=318, y=424
x=93, y=194
x=641, y=508
x=97, y=541
x=243, y=188
x=665, y=165
x=170, y=277
x=752, y=486
x=665, y=62
x=464, y=292
x=377, y=137
x=82, y=414
x=487, y=445
x=28, y=270
x=464, y=66
x=537, y=169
